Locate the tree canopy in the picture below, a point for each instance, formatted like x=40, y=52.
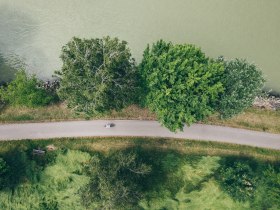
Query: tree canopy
x=97, y=75
x=242, y=82
x=181, y=83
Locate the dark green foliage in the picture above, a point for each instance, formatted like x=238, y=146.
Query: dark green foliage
x=238, y=180
x=21, y=166
x=242, y=82
x=148, y=177
x=97, y=75
x=268, y=192
x=24, y=90
x=115, y=181
x=3, y=172
x=17, y=161
x=48, y=204
x=180, y=82
x=163, y=178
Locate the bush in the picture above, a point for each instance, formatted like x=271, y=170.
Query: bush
x=24, y=90
x=242, y=82
x=238, y=181
x=181, y=83
x=98, y=75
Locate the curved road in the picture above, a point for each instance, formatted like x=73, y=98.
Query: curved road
x=137, y=128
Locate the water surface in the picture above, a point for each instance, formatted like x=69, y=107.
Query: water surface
x=35, y=30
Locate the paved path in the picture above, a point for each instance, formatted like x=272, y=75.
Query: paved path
x=136, y=128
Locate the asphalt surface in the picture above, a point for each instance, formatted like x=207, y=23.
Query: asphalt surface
x=136, y=128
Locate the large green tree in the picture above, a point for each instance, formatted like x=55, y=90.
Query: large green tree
x=97, y=75
x=242, y=81
x=181, y=83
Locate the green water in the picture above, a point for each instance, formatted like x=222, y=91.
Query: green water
x=35, y=30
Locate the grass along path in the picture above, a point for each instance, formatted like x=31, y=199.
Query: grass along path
x=185, y=174
x=105, y=144
x=253, y=118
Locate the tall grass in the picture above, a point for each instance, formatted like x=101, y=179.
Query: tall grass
x=253, y=119
x=58, y=183
x=197, y=188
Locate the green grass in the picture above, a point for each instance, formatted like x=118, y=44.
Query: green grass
x=253, y=118
x=198, y=190
x=59, y=112
x=58, y=183
x=185, y=174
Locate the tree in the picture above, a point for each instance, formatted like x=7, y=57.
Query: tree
x=115, y=181
x=242, y=82
x=25, y=90
x=181, y=83
x=97, y=75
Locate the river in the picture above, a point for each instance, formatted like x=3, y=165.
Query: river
x=35, y=30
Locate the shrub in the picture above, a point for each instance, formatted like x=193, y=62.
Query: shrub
x=238, y=181
x=181, y=83
x=24, y=90
x=97, y=75
x=242, y=82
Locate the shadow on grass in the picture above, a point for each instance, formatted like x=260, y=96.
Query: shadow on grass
x=23, y=166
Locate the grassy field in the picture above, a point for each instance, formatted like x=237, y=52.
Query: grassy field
x=185, y=174
x=253, y=118
x=59, y=112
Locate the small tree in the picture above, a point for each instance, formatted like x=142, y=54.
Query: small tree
x=181, y=83
x=242, y=82
x=24, y=90
x=115, y=182
x=97, y=75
